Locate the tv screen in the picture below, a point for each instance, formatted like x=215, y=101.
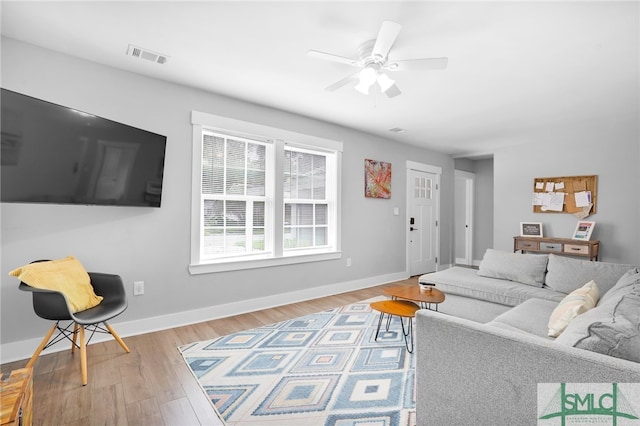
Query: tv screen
x=56, y=154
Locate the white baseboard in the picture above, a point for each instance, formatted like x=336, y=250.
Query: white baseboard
x=23, y=349
x=474, y=262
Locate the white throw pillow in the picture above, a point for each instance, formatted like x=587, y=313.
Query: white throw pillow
x=578, y=301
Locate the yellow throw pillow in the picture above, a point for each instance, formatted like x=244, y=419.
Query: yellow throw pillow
x=578, y=301
x=67, y=276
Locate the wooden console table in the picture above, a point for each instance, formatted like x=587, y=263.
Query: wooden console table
x=563, y=246
x=16, y=391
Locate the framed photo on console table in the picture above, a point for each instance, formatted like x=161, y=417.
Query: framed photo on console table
x=583, y=230
x=531, y=229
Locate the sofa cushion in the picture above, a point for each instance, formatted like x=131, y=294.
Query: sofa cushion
x=466, y=282
x=565, y=274
x=523, y=268
x=629, y=279
x=574, y=304
x=611, y=328
x=530, y=316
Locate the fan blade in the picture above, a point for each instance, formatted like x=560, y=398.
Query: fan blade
x=386, y=37
x=334, y=58
x=392, y=91
x=338, y=84
x=418, y=64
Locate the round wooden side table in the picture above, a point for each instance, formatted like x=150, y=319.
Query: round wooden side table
x=426, y=297
x=402, y=309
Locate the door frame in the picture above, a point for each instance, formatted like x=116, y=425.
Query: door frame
x=427, y=168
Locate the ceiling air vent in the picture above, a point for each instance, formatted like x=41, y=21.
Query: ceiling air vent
x=139, y=52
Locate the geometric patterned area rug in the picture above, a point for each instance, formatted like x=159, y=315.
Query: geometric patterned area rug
x=321, y=369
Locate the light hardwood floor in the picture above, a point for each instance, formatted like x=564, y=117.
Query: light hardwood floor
x=151, y=385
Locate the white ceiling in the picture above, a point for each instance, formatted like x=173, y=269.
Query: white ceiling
x=515, y=68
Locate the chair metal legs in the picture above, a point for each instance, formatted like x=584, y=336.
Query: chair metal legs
x=78, y=331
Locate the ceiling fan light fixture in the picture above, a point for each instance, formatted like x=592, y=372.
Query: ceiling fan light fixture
x=374, y=59
x=362, y=88
x=368, y=77
x=385, y=82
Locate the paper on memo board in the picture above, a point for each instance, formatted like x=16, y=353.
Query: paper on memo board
x=582, y=198
x=555, y=201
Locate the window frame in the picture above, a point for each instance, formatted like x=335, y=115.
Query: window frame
x=279, y=138
x=330, y=199
x=230, y=197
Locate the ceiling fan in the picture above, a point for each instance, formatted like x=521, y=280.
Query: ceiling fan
x=374, y=61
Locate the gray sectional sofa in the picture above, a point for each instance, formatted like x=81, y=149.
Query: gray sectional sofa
x=481, y=357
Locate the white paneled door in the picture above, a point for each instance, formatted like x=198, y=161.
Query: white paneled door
x=463, y=218
x=423, y=212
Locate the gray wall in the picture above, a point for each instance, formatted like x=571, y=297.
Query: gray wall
x=483, y=204
x=609, y=150
x=153, y=244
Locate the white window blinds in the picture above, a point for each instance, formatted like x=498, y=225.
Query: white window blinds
x=233, y=195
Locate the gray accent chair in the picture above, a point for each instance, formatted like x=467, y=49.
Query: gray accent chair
x=52, y=305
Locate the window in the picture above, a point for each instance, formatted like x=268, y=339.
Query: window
x=306, y=205
x=261, y=196
x=233, y=192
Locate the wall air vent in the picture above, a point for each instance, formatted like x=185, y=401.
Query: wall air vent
x=142, y=53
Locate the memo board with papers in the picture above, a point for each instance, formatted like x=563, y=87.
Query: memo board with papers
x=576, y=195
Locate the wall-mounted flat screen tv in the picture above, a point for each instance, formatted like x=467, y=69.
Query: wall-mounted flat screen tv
x=56, y=154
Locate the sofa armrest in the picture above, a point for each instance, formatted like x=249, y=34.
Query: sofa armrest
x=471, y=373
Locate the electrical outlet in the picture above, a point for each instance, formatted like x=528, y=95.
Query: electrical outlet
x=348, y=262
x=138, y=288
